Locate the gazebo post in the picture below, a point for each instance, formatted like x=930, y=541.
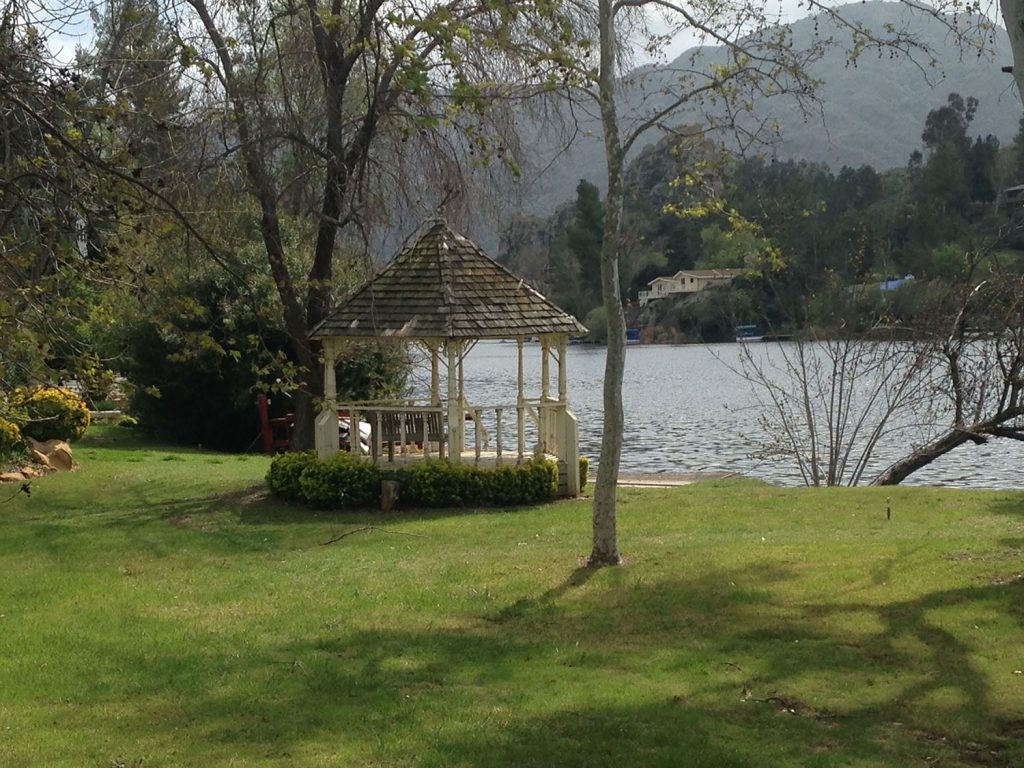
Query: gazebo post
x=545, y=368
x=563, y=342
x=455, y=417
x=544, y=412
x=435, y=376
x=520, y=404
x=462, y=379
x=565, y=428
x=325, y=428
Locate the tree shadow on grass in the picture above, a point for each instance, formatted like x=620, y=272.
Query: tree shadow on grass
x=1009, y=505
x=142, y=520
x=272, y=510
x=717, y=670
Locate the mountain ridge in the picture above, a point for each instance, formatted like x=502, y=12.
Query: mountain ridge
x=872, y=111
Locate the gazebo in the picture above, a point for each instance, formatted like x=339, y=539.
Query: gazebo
x=445, y=294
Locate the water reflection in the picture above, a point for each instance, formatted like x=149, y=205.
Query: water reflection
x=689, y=409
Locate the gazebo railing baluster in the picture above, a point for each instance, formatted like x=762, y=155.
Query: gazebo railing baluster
x=398, y=427
x=497, y=434
x=477, y=435
x=521, y=430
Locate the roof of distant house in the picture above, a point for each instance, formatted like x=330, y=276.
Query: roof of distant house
x=704, y=274
x=444, y=286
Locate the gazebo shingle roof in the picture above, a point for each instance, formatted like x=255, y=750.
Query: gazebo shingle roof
x=444, y=286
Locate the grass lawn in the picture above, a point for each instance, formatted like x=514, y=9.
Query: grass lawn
x=156, y=609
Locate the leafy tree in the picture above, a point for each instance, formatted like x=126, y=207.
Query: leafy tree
x=948, y=261
x=198, y=335
x=53, y=207
x=584, y=238
x=948, y=124
x=722, y=249
x=1018, y=147
x=760, y=59
x=307, y=115
x=773, y=62
x=351, y=103
x=981, y=161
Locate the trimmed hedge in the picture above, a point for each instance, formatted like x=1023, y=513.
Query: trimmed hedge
x=347, y=481
x=441, y=484
x=342, y=480
x=285, y=471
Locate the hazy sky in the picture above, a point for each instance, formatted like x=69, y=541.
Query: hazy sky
x=779, y=11
x=783, y=12
x=77, y=30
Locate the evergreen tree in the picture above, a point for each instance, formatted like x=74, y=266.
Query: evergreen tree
x=584, y=238
x=1018, y=145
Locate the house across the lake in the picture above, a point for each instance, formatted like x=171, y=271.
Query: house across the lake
x=687, y=281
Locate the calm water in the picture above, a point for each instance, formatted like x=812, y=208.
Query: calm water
x=688, y=410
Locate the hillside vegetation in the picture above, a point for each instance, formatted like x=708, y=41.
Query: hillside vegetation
x=816, y=245
x=869, y=113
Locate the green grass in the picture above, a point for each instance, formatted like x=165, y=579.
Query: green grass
x=157, y=610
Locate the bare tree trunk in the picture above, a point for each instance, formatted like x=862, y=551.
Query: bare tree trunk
x=263, y=190
x=923, y=456
x=1013, y=17
x=976, y=433
x=605, y=545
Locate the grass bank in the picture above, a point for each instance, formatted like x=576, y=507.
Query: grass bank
x=157, y=610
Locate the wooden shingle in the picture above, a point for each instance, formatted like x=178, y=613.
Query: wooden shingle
x=444, y=286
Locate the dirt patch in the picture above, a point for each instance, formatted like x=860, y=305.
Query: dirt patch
x=999, y=581
x=786, y=705
x=966, y=555
x=972, y=752
x=1011, y=729
x=254, y=496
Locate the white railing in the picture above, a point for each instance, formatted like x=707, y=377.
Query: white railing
x=395, y=425
x=403, y=428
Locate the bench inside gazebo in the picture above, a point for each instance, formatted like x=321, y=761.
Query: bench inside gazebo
x=444, y=294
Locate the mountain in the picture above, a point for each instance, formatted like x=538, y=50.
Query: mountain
x=872, y=113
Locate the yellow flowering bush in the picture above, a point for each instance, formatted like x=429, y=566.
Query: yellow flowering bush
x=10, y=440
x=51, y=413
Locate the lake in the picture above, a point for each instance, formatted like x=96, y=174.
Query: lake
x=688, y=409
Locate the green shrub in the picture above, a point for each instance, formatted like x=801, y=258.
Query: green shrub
x=285, y=471
x=441, y=484
x=432, y=483
x=52, y=413
x=11, y=444
x=584, y=470
x=343, y=481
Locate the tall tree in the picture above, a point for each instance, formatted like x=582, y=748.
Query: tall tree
x=761, y=60
x=51, y=203
x=583, y=238
x=1013, y=18
x=948, y=124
